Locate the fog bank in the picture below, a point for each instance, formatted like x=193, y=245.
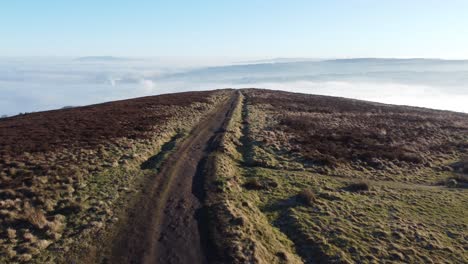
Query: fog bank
x=37, y=84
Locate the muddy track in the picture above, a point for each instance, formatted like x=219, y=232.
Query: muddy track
x=167, y=223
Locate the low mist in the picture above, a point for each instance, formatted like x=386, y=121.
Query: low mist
x=38, y=84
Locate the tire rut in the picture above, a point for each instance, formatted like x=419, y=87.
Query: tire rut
x=169, y=224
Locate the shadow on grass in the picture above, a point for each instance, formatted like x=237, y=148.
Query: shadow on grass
x=247, y=143
x=306, y=247
x=155, y=162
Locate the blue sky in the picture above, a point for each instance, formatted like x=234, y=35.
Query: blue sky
x=242, y=28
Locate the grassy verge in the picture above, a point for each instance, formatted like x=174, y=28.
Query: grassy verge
x=239, y=231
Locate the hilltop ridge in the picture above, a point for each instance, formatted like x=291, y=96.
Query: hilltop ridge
x=248, y=176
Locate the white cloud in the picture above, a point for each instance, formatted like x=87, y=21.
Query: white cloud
x=148, y=85
x=389, y=93
x=27, y=86
x=113, y=81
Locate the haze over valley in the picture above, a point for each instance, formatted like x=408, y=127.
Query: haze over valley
x=38, y=84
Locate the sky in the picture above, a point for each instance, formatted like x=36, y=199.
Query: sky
x=241, y=28
x=182, y=45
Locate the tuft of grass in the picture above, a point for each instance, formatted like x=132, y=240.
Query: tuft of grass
x=73, y=207
x=24, y=257
x=11, y=253
x=43, y=244
x=306, y=197
x=7, y=194
x=361, y=186
x=11, y=233
x=28, y=236
x=35, y=216
x=257, y=184
x=253, y=184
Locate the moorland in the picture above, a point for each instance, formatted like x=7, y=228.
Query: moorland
x=248, y=176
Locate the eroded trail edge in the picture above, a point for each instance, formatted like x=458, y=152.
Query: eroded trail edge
x=167, y=223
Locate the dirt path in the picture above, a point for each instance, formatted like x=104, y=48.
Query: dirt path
x=167, y=224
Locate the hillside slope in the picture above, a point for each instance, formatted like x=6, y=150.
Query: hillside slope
x=249, y=176
x=345, y=181
x=68, y=176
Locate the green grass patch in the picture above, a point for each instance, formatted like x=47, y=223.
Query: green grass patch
x=390, y=222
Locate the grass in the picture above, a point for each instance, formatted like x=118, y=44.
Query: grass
x=364, y=227
x=253, y=184
x=155, y=161
x=326, y=134
x=339, y=206
x=35, y=216
x=240, y=232
x=306, y=197
x=69, y=196
x=296, y=178
x=361, y=186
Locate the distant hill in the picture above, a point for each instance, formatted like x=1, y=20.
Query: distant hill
x=443, y=73
x=278, y=60
x=102, y=58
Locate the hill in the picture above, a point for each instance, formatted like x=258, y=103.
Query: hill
x=234, y=176
x=449, y=74
x=101, y=59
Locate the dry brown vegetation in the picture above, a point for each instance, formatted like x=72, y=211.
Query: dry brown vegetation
x=296, y=178
x=306, y=197
x=356, y=182
x=333, y=133
x=361, y=186
x=90, y=126
x=64, y=174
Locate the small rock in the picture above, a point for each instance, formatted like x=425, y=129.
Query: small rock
x=452, y=183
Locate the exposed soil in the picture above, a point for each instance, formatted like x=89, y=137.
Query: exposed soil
x=164, y=227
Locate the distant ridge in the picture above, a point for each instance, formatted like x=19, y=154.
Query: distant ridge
x=351, y=60
x=102, y=58
x=311, y=66
x=278, y=60
x=389, y=60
